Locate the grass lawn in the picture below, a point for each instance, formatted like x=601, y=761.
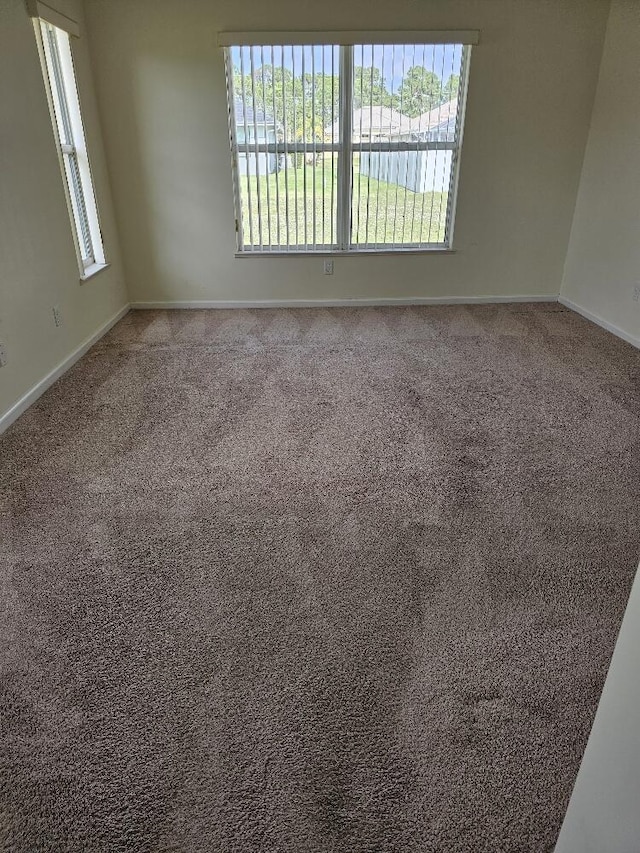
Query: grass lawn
x=382, y=212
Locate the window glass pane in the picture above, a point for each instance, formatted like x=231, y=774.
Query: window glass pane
x=386, y=212
x=405, y=100
x=286, y=97
x=57, y=84
x=79, y=207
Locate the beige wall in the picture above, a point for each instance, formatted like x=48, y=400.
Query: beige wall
x=603, y=262
x=38, y=266
x=160, y=85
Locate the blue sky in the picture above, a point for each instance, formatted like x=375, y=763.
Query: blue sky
x=392, y=60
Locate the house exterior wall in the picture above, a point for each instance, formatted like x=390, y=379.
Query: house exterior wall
x=256, y=163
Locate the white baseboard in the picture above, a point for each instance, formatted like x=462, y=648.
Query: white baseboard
x=634, y=340
x=32, y=395
x=338, y=303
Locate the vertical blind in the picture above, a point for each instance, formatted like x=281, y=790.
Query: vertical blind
x=345, y=147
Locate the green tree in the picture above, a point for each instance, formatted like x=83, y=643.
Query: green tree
x=419, y=92
x=302, y=105
x=369, y=88
x=321, y=102
x=451, y=88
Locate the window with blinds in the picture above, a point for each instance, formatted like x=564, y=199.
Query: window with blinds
x=345, y=147
x=60, y=80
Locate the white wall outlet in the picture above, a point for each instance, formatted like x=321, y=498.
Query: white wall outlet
x=636, y=294
x=57, y=316
x=3, y=355
x=328, y=266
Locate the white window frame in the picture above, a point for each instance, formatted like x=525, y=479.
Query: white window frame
x=345, y=146
x=54, y=46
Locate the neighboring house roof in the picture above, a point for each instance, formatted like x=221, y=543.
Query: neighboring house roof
x=378, y=119
x=372, y=119
x=385, y=121
x=245, y=114
x=441, y=119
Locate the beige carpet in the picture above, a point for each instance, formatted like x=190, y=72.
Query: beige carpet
x=314, y=581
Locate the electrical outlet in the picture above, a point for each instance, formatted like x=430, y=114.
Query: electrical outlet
x=57, y=316
x=636, y=294
x=3, y=355
x=328, y=267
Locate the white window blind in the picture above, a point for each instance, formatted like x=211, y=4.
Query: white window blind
x=67, y=122
x=346, y=147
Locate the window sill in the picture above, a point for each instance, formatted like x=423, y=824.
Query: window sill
x=358, y=253
x=93, y=270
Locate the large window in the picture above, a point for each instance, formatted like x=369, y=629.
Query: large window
x=346, y=147
x=60, y=81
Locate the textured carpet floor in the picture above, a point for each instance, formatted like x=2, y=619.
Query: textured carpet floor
x=314, y=581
